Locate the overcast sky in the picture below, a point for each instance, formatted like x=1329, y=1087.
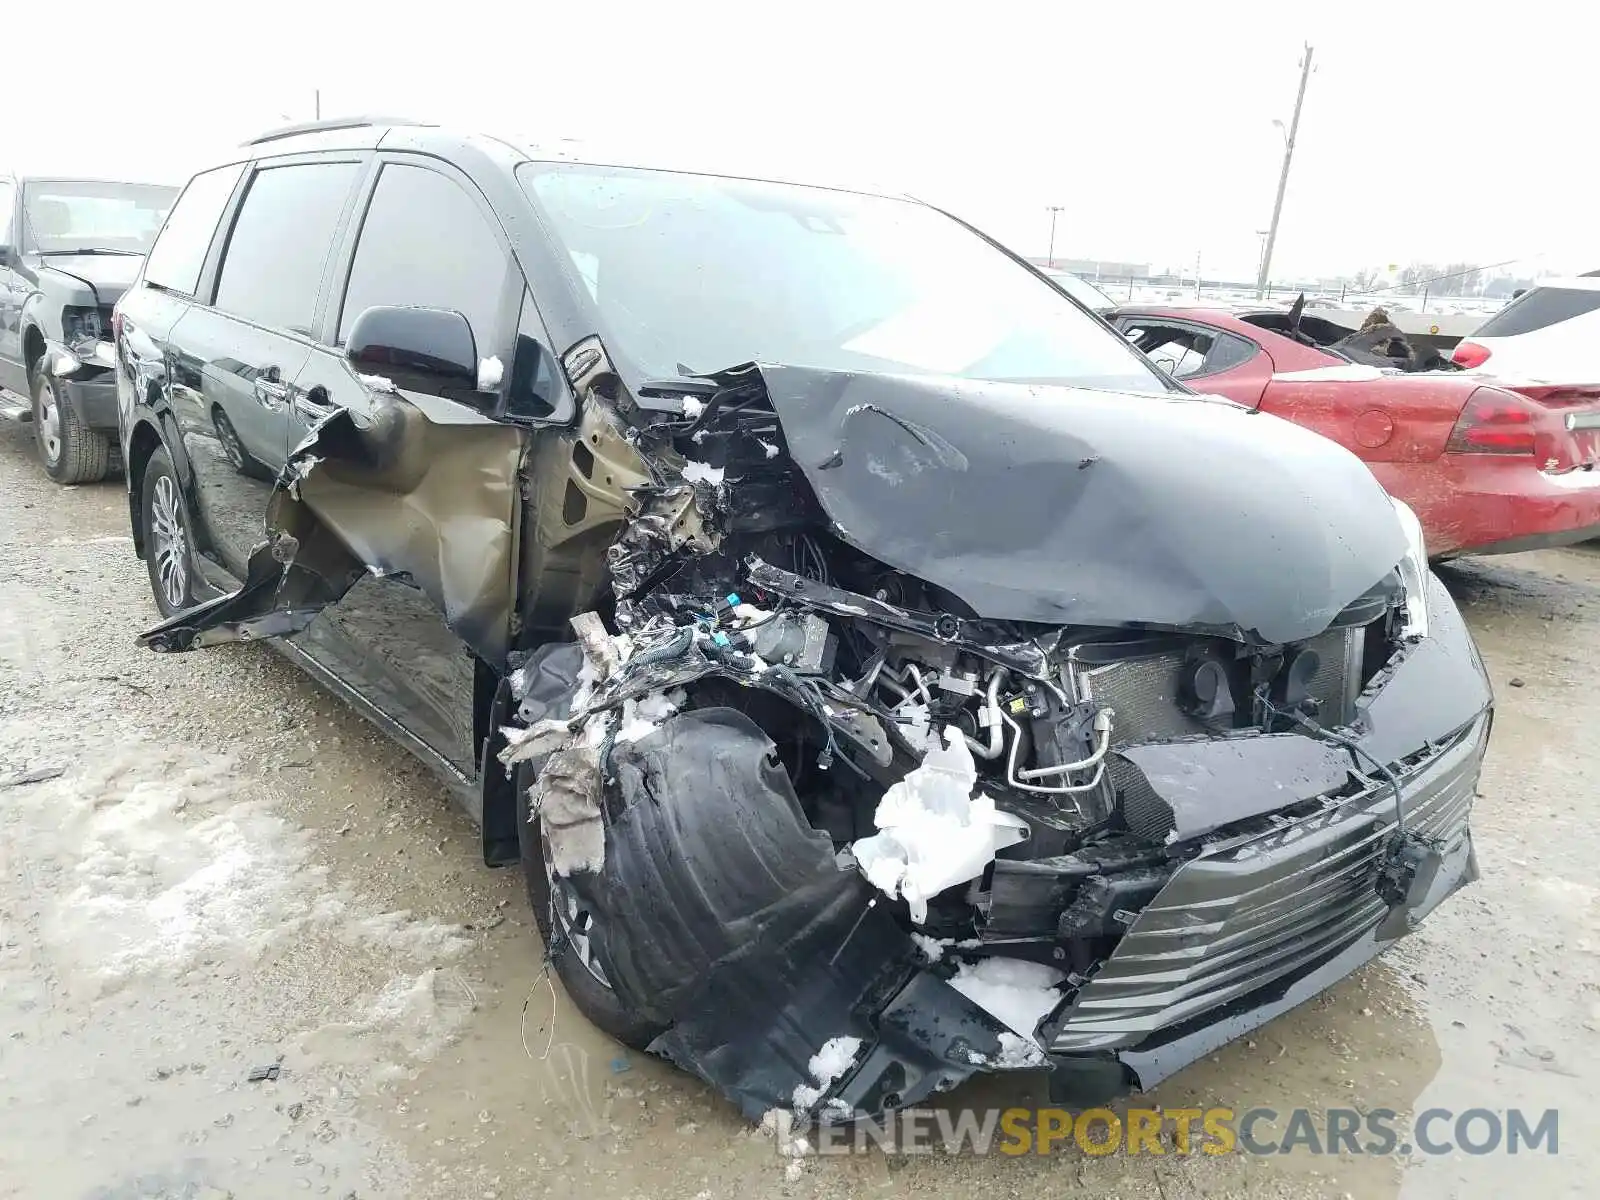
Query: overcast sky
x=1431, y=132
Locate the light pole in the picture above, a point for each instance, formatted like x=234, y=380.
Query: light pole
x=1053, y=209
x=1283, y=176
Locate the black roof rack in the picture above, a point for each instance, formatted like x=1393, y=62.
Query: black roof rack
x=272, y=135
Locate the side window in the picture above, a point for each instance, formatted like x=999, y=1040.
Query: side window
x=7, y=195
x=424, y=242
x=180, y=251
x=536, y=388
x=281, y=242
x=1178, y=351
x=1185, y=352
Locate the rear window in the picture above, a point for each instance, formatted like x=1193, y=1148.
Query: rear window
x=1537, y=308
x=180, y=251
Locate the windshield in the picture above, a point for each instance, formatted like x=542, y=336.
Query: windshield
x=695, y=273
x=65, y=216
x=1081, y=290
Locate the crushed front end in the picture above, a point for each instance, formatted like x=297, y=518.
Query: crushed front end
x=926, y=727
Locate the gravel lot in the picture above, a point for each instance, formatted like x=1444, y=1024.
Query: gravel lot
x=230, y=870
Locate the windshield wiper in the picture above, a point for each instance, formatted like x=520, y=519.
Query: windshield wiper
x=91, y=250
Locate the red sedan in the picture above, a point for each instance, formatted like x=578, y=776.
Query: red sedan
x=1489, y=465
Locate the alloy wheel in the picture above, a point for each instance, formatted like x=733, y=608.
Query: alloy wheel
x=49, y=422
x=570, y=921
x=171, y=542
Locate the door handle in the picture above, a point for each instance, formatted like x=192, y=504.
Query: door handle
x=308, y=408
x=270, y=392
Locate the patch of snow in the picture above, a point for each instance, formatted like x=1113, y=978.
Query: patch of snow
x=699, y=472
x=406, y=1022
x=1018, y=1051
x=490, y=372
x=934, y=832
x=836, y=1057
x=378, y=383
x=693, y=406
x=770, y=447
x=400, y=933
x=1018, y=992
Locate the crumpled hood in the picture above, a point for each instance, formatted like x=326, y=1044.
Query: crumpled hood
x=105, y=275
x=1069, y=506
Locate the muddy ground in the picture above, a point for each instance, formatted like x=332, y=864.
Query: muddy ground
x=232, y=871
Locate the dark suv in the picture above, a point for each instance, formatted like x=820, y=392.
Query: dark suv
x=68, y=249
x=846, y=629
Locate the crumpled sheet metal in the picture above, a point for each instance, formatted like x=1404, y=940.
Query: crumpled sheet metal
x=400, y=496
x=1045, y=504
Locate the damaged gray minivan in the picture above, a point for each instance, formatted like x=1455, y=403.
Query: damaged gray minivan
x=881, y=672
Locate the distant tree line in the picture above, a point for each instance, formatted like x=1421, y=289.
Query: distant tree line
x=1449, y=279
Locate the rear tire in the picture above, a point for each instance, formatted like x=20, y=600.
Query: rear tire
x=594, y=998
x=167, y=541
x=70, y=451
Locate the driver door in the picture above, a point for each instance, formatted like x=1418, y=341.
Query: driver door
x=437, y=529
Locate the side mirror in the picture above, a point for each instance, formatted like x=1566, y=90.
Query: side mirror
x=428, y=350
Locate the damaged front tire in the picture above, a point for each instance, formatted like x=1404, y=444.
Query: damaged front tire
x=565, y=934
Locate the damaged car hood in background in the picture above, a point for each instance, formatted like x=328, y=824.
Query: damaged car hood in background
x=1076, y=507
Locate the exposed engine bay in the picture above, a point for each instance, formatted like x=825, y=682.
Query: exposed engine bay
x=996, y=782
x=869, y=731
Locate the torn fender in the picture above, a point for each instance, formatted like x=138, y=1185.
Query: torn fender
x=723, y=915
x=394, y=494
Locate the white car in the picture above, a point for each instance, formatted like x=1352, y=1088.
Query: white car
x=1551, y=331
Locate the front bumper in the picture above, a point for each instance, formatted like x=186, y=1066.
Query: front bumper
x=86, y=381
x=94, y=400
x=1258, y=923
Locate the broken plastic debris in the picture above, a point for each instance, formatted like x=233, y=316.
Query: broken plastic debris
x=935, y=832
x=264, y=1074
x=1015, y=990
x=566, y=797
x=836, y=1057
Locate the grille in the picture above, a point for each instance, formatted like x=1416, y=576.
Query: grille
x=1255, y=910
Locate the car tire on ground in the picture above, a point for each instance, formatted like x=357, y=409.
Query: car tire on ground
x=167, y=541
x=593, y=998
x=70, y=450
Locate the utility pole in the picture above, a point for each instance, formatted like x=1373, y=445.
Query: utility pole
x=1053, y=209
x=317, y=96
x=1283, y=176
